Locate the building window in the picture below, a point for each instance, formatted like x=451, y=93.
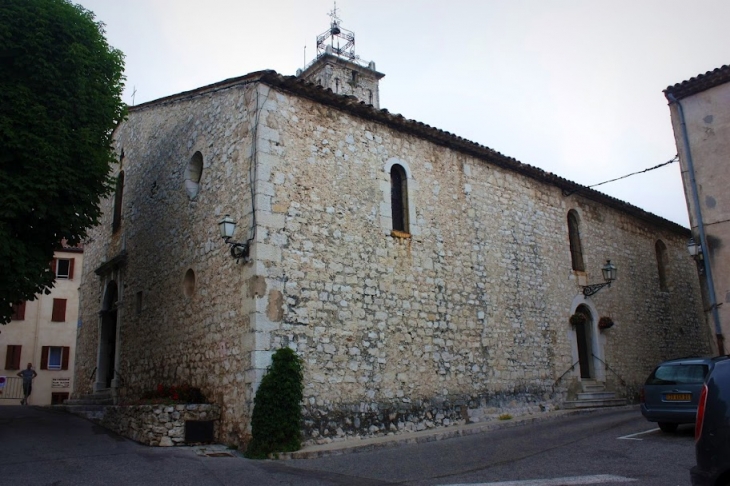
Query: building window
x=193, y=173
x=57, y=398
x=576, y=248
x=12, y=357
x=662, y=263
x=354, y=77
x=399, y=198
x=370, y=96
x=59, y=310
x=118, y=197
x=18, y=311
x=55, y=357
x=64, y=268
x=337, y=85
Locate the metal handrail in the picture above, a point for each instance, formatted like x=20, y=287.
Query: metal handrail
x=572, y=367
x=620, y=379
x=93, y=373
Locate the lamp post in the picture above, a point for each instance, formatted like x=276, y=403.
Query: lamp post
x=228, y=227
x=609, y=275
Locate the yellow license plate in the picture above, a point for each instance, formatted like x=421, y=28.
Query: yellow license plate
x=678, y=397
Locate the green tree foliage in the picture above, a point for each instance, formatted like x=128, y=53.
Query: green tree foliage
x=60, y=99
x=277, y=412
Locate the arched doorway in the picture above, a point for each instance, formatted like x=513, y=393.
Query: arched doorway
x=108, y=337
x=584, y=340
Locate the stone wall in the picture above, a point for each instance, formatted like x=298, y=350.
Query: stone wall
x=157, y=425
x=468, y=314
x=172, y=330
x=461, y=318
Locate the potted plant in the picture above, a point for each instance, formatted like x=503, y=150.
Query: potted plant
x=578, y=319
x=605, y=322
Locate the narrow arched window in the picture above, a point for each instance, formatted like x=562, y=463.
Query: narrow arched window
x=662, y=262
x=399, y=197
x=193, y=173
x=576, y=248
x=118, y=196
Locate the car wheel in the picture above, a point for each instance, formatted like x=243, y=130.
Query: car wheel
x=668, y=426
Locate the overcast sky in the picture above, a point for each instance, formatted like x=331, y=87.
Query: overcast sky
x=573, y=87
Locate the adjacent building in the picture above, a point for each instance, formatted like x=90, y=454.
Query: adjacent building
x=43, y=332
x=424, y=279
x=700, y=110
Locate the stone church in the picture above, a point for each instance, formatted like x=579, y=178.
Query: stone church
x=424, y=279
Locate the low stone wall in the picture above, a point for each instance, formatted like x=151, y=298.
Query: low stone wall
x=157, y=425
x=364, y=420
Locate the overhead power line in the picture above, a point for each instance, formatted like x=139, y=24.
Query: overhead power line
x=675, y=159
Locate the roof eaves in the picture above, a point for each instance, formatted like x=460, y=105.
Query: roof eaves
x=699, y=83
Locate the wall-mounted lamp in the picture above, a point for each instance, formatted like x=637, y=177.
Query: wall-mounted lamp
x=228, y=227
x=694, y=249
x=609, y=275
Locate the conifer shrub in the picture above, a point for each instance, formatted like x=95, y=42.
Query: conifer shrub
x=277, y=413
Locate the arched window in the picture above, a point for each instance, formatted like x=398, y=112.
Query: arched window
x=118, y=196
x=399, y=197
x=576, y=248
x=193, y=173
x=662, y=262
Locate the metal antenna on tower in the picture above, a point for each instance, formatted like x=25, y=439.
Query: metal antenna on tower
x=336, y=31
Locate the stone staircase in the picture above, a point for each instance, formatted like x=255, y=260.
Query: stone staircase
x=90, y=406
x=594, y=395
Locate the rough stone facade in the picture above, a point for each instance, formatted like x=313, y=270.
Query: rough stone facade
x=157, y=425
x=461, y=317
x=345, y=78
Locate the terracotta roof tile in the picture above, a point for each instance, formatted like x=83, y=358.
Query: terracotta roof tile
x=699, y=83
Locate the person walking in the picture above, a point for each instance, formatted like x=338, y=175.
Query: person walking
x=27, y=375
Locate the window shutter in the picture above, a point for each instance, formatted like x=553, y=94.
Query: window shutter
x=53, y=266
x=44, y=357
x=59, y=310
x=16, y=356
x=18, y=311
x=10, y=357
x=71, y=268
x=64, y=357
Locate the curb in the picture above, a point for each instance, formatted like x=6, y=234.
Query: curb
x=374, y=443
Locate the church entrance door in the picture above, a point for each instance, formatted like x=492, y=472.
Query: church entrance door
x=583, y=337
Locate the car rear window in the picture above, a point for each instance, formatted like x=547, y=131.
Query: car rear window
x=678, y=374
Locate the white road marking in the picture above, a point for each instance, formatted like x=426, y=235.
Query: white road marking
x=575, y=480
x=632, y=436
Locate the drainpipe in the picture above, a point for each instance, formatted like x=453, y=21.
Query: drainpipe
x=700, y=227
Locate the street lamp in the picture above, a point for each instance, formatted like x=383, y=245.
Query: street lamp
x=609, y=275
x=694, y=249
x=228, y=227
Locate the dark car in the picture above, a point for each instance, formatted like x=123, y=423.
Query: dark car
x=712, y=430
x=672, y=391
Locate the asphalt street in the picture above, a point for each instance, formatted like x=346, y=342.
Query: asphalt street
x=40, y=446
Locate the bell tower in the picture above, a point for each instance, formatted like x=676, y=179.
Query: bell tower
x=338, y=68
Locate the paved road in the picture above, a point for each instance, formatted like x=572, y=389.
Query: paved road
x=45, y=447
